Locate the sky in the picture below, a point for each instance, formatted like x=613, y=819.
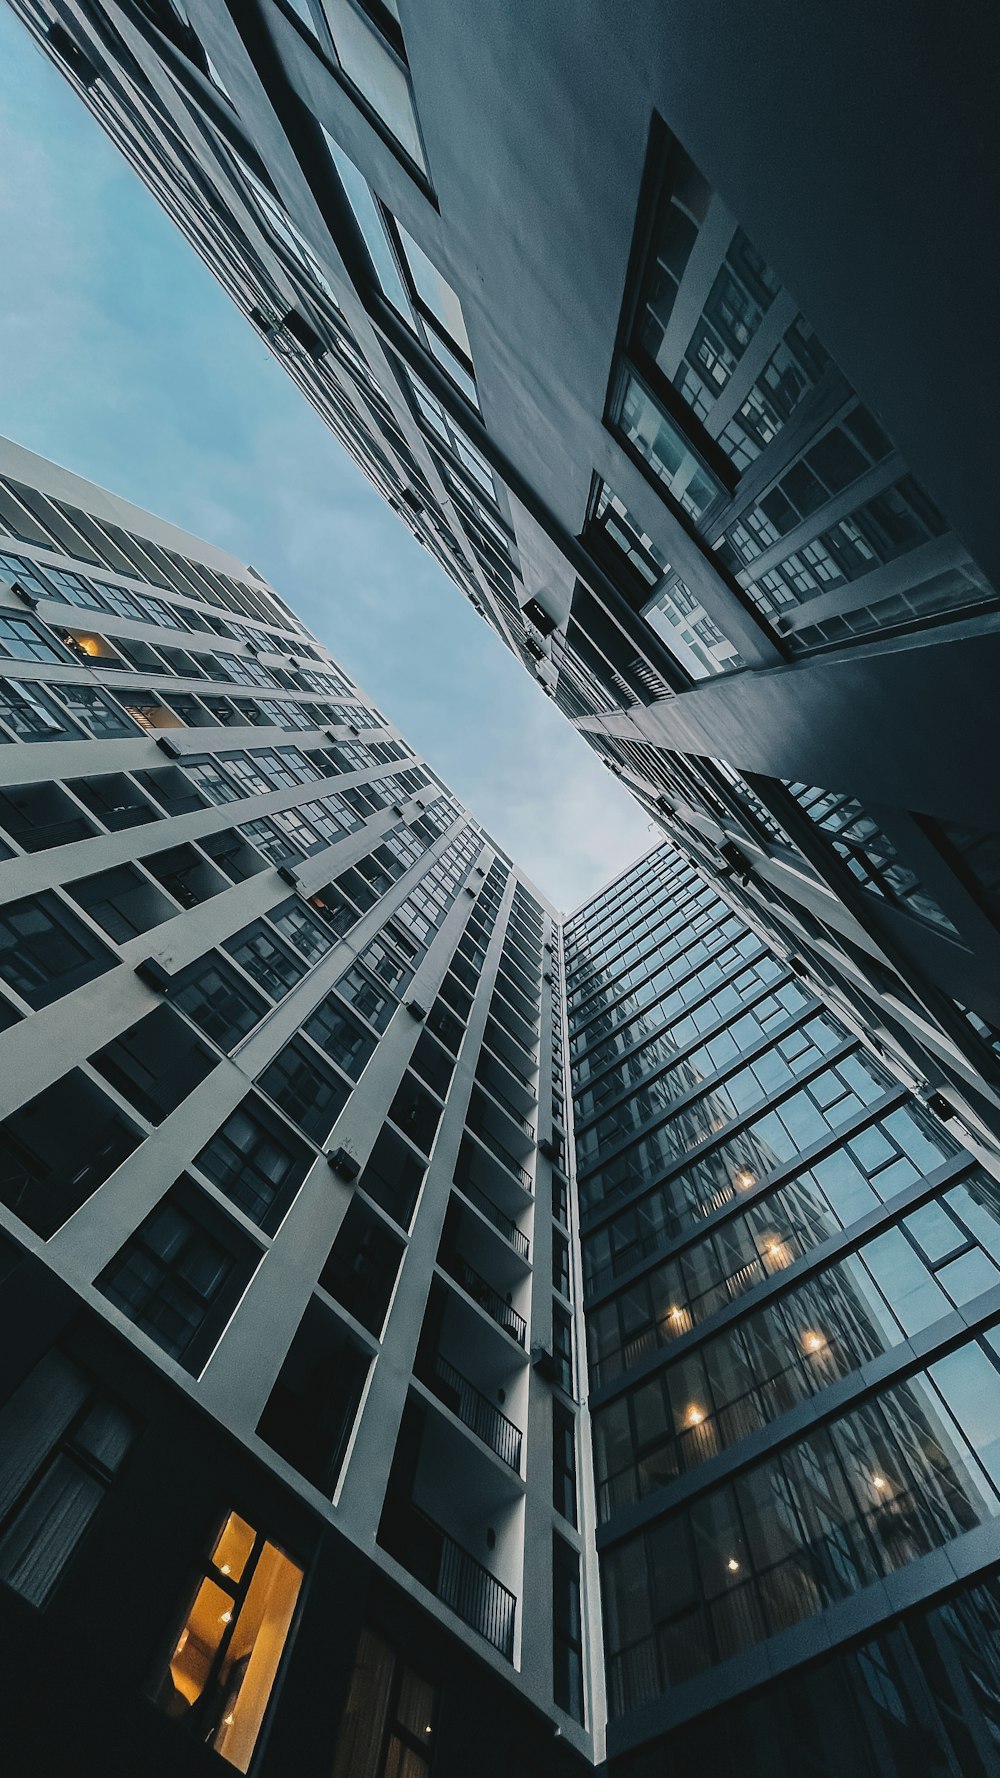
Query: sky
x=121, y=358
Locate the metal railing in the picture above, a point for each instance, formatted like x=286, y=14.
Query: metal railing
x=476, y=1411
x=490, y=1049
x=513, y=1012
x=506, y=1104
x=500, y=1153
x=492, y=1212
x=523, y=1050
x=496, y=1306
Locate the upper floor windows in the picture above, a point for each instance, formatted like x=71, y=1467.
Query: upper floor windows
x=27, y=640
x=717, y=359
x=408, y=278
x=869, y=854
x=364, y=40
x=180, y=1275
x=45, y=951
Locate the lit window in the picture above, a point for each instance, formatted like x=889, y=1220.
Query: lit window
x=229, y=1648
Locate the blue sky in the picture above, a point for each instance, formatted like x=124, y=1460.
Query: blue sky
x=121, y=358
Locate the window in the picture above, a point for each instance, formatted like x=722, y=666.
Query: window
x=617, y=538
x=560, y=1265
x=868, y=853
x=219, y=1001
x=410, y=282
x=181, y=1274
x=114, y=799
x=27, y=640
x=155, y=1064
x=340, y=1036
x=392, y=1177
x=564, y=1460
x=659, y=443
x=562, y=1346
x=388, y=1724
x=234, y=857
x=302, y=929
x=62, y=1442
x=45, y=952
x=384, y=963
x=368, y=47
x=270, y=963
x=39, y=816
x=122, y=901
x=32, y=714
x=567, y=1629
x=305, y=1089
x=228, y=1650
x=186, y=875
x=257, y=1162
x=693, y=638
x=312, y=1407
x=98, y=714
x=361, y=1269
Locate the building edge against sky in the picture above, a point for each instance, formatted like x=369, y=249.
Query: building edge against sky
x=344, y=1186
x=745, y=540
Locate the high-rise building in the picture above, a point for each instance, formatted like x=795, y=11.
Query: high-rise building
x=345, y=1190
x=665, y=337
x=289, y=1426
x=792, y=1283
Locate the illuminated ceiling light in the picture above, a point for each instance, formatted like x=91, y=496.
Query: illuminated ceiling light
x=694, y=1416
x=744, y=1178
x=813, y=1341
x=879, y=1482
x=733, y=1565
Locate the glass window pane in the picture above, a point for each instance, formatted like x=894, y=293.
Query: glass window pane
x=379, y=77
x=369, y=220
x=435, y=291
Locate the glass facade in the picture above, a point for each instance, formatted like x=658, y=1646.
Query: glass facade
x=792, y=1291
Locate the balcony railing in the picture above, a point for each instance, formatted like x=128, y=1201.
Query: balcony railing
x=492, y=1212
x=509, y=1008
x=476, y=1411
x=502, y=1154
x=496, y=1306
x=426, y=1551
x=507, y=1104
x=491, y=1050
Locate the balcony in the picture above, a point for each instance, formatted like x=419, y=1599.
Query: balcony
x=504, y=1093
x=453, y=1518
x=483, y=1293
x=514, y=1023
x=503, y=1224
x=474, y=1409
x=501, y=1153
x=446, y=1569
x=526, y=980
x=525, y=1005
x=512, y=1053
